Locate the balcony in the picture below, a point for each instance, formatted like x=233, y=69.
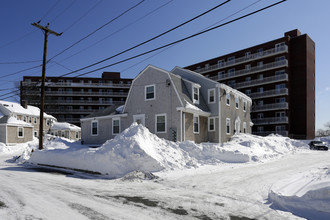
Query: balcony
x=255, y=56
x=269, y=93
x=267, y=121
x=256, y=82
x=265, y=133
x=79, y=85
x=97, y=94
x=255, y=69
x=270, y=107
x=83, y=102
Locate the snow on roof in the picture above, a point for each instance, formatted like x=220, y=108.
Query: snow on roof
x=14, y=121
x=194, y=109
x=235, y=92
x=64, y=126
x=16, y=108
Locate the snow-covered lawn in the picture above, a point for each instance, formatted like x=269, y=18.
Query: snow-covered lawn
x=249, y=177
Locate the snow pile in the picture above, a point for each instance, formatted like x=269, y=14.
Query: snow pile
x=306, y=195
x=64, y=126
x=136, y=149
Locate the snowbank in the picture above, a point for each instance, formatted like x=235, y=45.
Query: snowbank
x=138, y=149
x=306, y=195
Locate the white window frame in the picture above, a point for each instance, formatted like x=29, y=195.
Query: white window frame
x=228, y=99
x=209, y=124
x=196, y=116
x=236, y=102
x=97, y=127
x=18, y=131
x=156, y=117
x=145, y=92
x=34, y=120
x=209, y=96
x=113, y=120
x=195, y=101
x=244, y=106
x=227, y=126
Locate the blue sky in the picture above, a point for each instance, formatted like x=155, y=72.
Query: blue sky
x=21, y=42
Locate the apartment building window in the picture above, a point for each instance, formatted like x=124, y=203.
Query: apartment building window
x=248, y=78
x=228, y=98
x=81, y=81
x=198, y=68
x=101, y=100
x=89, y=108
x=61, y=90
x=221, y=74
x=150, y=92
x=244, y=127
x=231, y=60
x=68, y=99
x=69, y=81
x=207, y=66
x=227, y=125
x=260, y=102
x=260, y=76
x=89, y=99
x=280, y=128
x=247, y=54
x=220, y=63
x=236, y=102
x=231, y=72
x=69, y=90
x=160, y=123
x=248, y=91
x=260, y=89
x=196, y=124
x=211, y=96
x=81, y=107
x=115, y=126
x=260, y=115
x=279, y=72
x=211, y=122
x=280, y=100
x=279, y=114
x=109, y=91
x=196, y=94
x=231, y=83
x=260, y=64
x=20, y=132
x=260, y=129
x=279, y=46
x=277, y=59
x=248, y=67
x=90, y=91
x=101, y=91
x=61, y=82
x=82, y=90
x=278, y=87
x=81, y=99
x=70, y=108
x=94, y=128
x=260, y=51
x=101, y=82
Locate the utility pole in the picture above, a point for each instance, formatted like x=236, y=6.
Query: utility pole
x=46, y=31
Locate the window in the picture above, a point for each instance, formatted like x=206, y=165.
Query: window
x=20, y=132
x=207, y=66
x=211, y=96
x=260, y=51
x=260, y=115
x=279, y=72
x=231, y=83
x=247, y=66
x=196, y=94
x=279, y=46
x=196, y=124
x=244, y=106
x=279, y=114
x=115, y=126
x=231, y=72
x=231, y=60
x=236, y=102
x=244, y=127
x=248, y=91
x=35, y=120
x=260, y=76
x=248, y=54
x=211, y=124
x=150, y=92
x=260, y=129
x=228, y=125
x=220, y=63
x=260, y=64
x=161, y=123
x=94, y=128
x=277, y=59
x=248, y=78
x=260, y=90
x=77, y=135
x=260, y=102
x=30, y=119
x=278, y=87
x=228, y=98
x=221, y=74
x=24, y=118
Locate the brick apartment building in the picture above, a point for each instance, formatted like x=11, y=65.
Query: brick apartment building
x=279, y=76
x=69, y=98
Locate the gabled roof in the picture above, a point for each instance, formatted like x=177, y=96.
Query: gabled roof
x=111, y=110
x=8, y=108
x=8, y=120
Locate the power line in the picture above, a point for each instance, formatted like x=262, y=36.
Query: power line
x=163, y=50
x=9, y=97
x=84, y=15
x=93, y=32
x=151, y=39
x=11, y=74
x=50, y=9
x=9, y=93
x=21, y=62
x=17, y=39
x=181, y=40
x=115, y=32
x=62, y=12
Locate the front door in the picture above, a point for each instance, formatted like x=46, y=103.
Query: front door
x=139, y=119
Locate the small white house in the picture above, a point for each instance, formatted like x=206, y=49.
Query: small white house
x=66, y=130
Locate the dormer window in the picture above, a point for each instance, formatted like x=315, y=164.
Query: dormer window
x=236, y=102
x=195, y=94
x=228, y=99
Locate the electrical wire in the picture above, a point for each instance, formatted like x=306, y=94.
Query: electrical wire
x=21, y=62
x=62, y=12
x=17, y=39
x=151, y=39
x=50, y=9
x=181, y=40
x=11, y=74
x=10, y=93
x=9, y=97
x=93, y=32
x=115, y=32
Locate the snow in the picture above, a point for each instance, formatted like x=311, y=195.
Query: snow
x=14, y=121
x=254, y=177
x=64, y=126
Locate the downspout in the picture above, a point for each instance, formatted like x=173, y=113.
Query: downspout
x=219, y=92
x=181, y=125
x=184, y=126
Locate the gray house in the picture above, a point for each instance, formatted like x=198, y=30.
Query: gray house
x=179, y=105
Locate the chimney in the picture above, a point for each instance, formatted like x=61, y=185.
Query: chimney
x=24, y=104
